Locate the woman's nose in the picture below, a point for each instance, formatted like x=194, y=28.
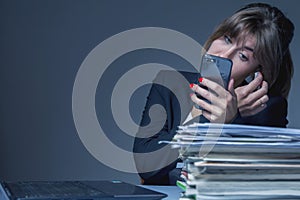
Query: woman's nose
x=226, y=53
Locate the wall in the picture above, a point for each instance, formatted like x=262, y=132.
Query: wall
x=43, y=44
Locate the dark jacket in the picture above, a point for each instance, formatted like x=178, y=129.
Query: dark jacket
x=171, y=90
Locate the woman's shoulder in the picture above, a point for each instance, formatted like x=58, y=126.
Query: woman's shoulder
x=277, y=101
x=167, y=81
x=165, y=75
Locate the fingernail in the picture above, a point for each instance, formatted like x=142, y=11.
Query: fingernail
x=191, y=85
x=191, y=94
x=200, y=79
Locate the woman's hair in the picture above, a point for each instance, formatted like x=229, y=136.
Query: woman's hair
x=273, y=32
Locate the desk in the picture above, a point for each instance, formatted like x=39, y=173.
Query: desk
x=173, y=192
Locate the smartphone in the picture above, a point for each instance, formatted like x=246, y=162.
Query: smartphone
x=251, y=78
x=217, y=69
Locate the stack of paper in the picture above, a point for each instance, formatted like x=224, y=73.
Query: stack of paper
x=226, y=161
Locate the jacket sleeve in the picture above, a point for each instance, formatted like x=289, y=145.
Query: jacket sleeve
x=154, y=161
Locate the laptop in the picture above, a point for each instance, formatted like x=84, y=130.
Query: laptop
x=77, y=190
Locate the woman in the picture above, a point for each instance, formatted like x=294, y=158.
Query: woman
x=256, y=38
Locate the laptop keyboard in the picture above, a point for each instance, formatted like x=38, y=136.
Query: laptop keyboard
x=51, y=189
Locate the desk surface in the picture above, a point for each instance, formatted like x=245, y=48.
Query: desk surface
x=173, y=192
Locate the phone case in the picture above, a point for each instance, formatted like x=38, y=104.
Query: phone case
x=217, y=69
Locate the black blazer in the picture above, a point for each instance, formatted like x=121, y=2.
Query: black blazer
x=171, y=90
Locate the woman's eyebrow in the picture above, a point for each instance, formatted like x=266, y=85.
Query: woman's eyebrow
x=248, y=48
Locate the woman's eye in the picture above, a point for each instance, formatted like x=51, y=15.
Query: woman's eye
x=243, y=57
x=227, y=39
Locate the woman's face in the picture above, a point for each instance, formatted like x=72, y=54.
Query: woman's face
x=240, y=53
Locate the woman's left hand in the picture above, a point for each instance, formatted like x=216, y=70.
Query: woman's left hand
x=252, y=98
x=223, y=106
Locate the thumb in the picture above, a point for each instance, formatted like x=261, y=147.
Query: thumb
x=231, y=87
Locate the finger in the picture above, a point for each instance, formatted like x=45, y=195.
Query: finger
x=207, y=115
x=253, y=85
x=263, y=90
x=211, y=117
x=210, y=96
x=205, y=93
x=207, y=106
x=261, y=102
x=256, y=95
x=256, y=110
x=253, y=112
x=230, y=96
x=231, y=87
x=213, y=86
x=203, y=104
x=256, y=107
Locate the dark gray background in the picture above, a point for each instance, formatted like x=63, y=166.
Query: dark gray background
x=43, y=43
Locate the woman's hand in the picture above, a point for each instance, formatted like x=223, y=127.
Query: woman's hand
x=250, y=99
x=223, y=106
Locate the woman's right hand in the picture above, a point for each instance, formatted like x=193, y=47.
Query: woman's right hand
x=250, y=99
x=223, y=106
